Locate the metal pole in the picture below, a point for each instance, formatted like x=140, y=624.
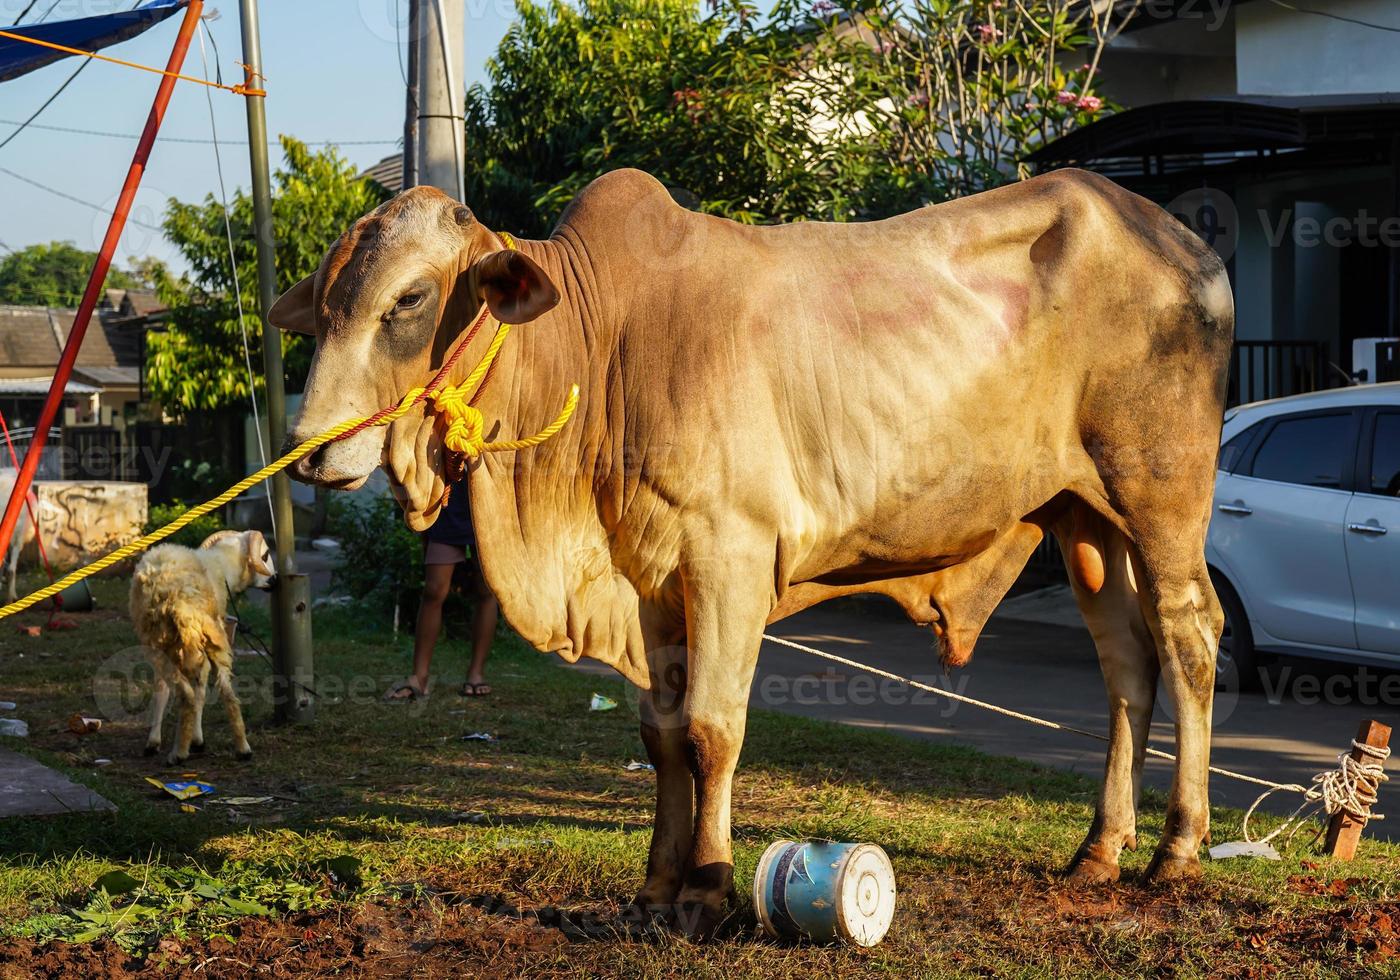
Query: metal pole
x=409, y=176
x=98, y=276
x=441, y=98
x=291, y=646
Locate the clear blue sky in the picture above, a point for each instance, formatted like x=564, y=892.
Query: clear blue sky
x=332, y=74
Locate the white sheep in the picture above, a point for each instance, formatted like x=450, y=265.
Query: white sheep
x=179, y=597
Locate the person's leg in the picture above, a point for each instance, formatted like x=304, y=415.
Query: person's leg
x=437, y=581
x=483, y=632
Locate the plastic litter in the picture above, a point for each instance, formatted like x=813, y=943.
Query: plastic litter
x=479, y=737
x=601, y=703
x=8, y=706
x=634, y=766
x=1240, y=848
x=80, y=724
x=183, y=789
x=243, y=800
x=14, y=727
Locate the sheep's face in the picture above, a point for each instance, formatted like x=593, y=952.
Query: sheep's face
x=252, y=565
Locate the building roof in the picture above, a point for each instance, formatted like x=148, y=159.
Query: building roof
x=387, y=173
x=33, y=336
x=1225, y=126
x=39, y=387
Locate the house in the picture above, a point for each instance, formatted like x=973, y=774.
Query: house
x=1272, y=129
x=104, y=397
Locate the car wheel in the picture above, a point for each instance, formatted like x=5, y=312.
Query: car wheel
x=1236, y=663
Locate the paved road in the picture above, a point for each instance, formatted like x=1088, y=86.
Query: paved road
x=1051, y=671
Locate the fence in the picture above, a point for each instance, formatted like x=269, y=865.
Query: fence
x=1261, y=369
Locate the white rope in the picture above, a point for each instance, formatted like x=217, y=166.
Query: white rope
x=1032, y=719
x=1353, y=786
x=237, y=286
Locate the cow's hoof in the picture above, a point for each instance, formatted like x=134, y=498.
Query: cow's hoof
x=150, y=750
x=245, y=756
x=698, y=921
x=1166, y=868
x=644, y=920
x=1086, y=870
x=196, y=748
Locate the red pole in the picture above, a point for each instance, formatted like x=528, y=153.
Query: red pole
x=99, y=275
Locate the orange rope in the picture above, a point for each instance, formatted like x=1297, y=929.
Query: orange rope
x=245, y=89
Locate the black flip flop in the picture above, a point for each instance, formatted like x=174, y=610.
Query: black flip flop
x=481, y=690
x=393, y=695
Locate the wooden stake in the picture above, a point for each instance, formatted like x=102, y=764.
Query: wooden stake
x=1344, y=830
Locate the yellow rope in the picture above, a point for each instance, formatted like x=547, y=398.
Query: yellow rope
x=465, y=434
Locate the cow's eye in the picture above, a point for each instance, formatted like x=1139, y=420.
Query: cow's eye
x=409, y=301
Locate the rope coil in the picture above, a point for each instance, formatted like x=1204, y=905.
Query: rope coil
x=1354, y=787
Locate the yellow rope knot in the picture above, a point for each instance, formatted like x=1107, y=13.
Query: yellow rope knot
x=466, y=427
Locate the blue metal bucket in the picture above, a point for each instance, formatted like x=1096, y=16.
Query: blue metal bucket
x=825, y=891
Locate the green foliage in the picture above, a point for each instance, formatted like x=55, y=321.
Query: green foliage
x=686, y=95
x=192, y=535
x=56, y=274
x=198, y=362
x=818, y=111
x=380, y=562
x=178, y=900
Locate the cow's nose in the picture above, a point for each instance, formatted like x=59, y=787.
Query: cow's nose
x=305, y=468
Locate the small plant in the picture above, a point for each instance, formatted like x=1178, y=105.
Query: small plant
x=193, y=533
x=380, y=561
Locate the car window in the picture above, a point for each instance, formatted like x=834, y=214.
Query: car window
x=1231, y=452
x=1385, y=455
x=1310, y=451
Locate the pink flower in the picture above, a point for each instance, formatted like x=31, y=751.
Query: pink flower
x=1090, y=103
x=917, y=98
x=987, y=32
x=823, y=8
x=1066, y=98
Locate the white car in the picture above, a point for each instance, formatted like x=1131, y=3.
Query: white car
x=1304, y=543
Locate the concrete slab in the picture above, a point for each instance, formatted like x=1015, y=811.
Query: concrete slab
x=29, y=788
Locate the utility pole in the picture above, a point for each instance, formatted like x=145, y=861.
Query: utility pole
x=291, y=599
x=441, y=137
x=409, y=158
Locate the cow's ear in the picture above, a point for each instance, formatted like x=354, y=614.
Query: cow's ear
x=295, y=310
x=515, y=288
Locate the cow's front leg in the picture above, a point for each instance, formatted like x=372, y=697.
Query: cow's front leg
x=725, y=609
x=662, y=710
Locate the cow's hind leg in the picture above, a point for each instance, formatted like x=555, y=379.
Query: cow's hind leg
x=1128, y=657
x=1185, y=618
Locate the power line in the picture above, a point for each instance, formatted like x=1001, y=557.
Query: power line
x=1331, y=16
x=25, y=12
x=193, y=140
x=76, y=200
x=68, y=81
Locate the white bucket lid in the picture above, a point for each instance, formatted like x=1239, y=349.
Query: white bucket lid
x=865, y=905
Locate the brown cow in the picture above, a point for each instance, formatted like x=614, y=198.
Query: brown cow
x=775, y=415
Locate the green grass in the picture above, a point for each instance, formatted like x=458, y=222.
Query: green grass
x=449, y=836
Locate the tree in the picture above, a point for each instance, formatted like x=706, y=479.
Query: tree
x=704, y=101
x=198, y=363
x=57, y=273
x=818, y=111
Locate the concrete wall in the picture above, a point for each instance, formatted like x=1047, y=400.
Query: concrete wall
x=1285, y=52
x=82, y=520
